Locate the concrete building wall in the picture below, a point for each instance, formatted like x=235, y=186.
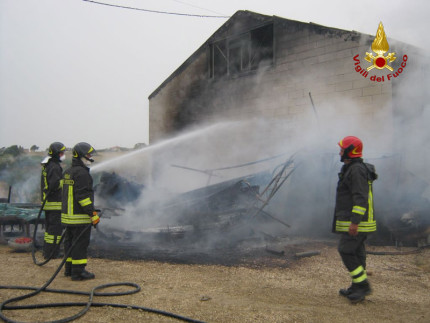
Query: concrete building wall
x=308, y=59
x=165, y=106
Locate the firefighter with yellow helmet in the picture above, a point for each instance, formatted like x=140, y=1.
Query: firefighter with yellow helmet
x=353, y=217
x=51, y=197
x=78, y=211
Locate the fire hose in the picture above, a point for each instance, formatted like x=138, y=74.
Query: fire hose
x=33, y=249
x=91, y=294
x=397, y=253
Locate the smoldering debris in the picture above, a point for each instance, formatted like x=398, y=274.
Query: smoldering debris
x=215, y=217
x=411, y=227
x=253, y=213
x=114, y=190
x=402, y=206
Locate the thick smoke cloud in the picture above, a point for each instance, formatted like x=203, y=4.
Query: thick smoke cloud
x=306, y=200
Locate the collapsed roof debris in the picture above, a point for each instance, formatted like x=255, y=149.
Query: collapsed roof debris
x=228, y=214
x=220, y=214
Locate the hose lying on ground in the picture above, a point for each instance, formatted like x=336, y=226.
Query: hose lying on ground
x=37, y=290
x=397, y=253
x=87, y=304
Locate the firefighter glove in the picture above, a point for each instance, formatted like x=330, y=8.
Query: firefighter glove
x=95, y=219
x=353, y=229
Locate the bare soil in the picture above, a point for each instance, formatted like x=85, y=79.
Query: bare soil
x=270, y=288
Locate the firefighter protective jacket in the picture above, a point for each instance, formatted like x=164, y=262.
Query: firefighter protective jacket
x=50, y=184
x=78, y=195
x=354, y=197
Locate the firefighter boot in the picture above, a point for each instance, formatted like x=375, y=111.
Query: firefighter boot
x=346, y=291
x=79, y=273
x=47, y=250
x=359, y=291
x=68, y=269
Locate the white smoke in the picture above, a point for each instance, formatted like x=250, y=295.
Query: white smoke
x=394, y=141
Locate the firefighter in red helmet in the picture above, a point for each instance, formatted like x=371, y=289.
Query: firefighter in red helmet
x=353, y=216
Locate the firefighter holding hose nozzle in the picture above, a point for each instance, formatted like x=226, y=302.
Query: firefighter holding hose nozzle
x=78, y=211
x=353, y=216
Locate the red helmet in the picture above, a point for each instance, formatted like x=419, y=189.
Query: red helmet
x=353, y=147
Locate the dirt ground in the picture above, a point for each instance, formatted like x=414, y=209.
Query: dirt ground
x=306, y=290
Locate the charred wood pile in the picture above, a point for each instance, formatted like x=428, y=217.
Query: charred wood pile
x=201, y=224
x=228, y=222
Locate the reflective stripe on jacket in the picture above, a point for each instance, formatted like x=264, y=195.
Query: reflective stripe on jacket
x=78, y=195
x=354, y=197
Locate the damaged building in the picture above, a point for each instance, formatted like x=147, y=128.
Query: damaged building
x=265, y=66
x=244, y=143
x=313, y=80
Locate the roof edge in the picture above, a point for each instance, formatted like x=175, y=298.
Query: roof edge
x=188, y=61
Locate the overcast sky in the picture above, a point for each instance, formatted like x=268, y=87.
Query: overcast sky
x=73, y=70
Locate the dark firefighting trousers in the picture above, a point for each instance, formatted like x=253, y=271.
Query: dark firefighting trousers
x=353, y=253
x=53, y=231
x=77, y=259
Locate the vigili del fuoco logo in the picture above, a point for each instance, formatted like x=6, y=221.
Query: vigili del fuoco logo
x=380, y=59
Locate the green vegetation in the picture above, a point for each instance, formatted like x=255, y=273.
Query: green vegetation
x=21, y=170
x=13, y=150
